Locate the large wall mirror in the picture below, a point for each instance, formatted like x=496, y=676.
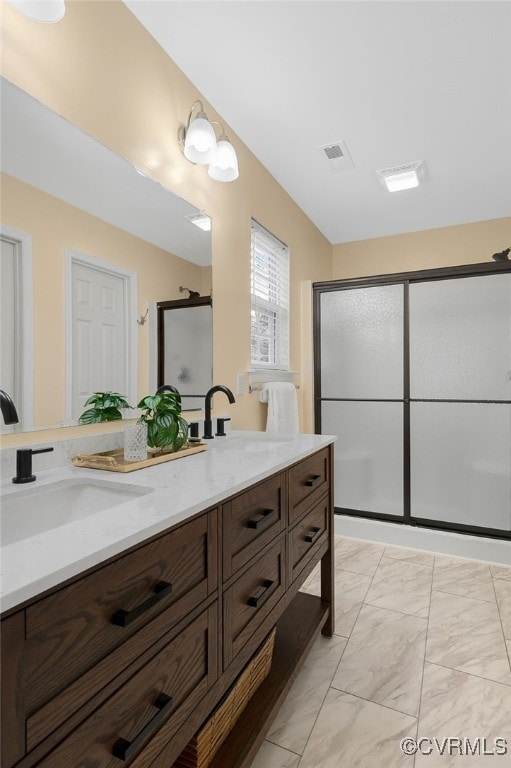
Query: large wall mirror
x=73, y=208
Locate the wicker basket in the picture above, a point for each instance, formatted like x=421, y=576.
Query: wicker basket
x=201, y=750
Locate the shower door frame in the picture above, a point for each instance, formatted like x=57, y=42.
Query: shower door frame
x=405, y=279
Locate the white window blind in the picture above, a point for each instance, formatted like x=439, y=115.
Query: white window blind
x=270, y=300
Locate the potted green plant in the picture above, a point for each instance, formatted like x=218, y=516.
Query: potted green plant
x=166, y=428
x=105, y=407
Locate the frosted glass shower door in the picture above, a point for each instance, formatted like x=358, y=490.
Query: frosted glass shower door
x=362, y=343
x=362, y=395
x=460, y=391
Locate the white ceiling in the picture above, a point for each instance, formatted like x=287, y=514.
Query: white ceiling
x=397, y=81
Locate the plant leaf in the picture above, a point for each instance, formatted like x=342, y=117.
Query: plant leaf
x=152, y=432
x=112, y=414
x=91, y=416
x=92, y=399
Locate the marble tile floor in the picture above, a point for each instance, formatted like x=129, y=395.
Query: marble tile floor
x=422, y=651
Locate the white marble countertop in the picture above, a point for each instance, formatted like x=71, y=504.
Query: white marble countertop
x=179, y=490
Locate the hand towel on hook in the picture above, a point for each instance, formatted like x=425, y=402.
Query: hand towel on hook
x=282, y=406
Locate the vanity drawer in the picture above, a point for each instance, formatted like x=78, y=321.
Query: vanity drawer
x=251, y=521
x=135, y=722
x=251, y=597
x=308, y=481
x=308, y=536
x=84, y=635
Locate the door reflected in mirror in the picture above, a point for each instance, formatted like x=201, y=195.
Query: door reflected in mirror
x=185, y=348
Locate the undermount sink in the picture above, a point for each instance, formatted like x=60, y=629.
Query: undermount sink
x=39, y=509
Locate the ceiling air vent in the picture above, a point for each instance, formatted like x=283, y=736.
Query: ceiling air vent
x=337, y=156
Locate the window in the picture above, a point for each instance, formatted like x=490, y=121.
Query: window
x=269, y=279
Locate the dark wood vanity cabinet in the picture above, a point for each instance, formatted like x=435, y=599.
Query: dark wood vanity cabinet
x=123, y=664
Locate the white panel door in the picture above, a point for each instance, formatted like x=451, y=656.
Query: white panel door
x=9, y=379
x=99, y=334
x=16, y=347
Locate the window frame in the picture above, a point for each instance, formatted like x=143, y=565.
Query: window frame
x=272, y=275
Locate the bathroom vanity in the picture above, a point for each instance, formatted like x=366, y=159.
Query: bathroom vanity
x=121, y=632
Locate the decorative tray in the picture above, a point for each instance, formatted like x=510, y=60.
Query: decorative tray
x=113, y=461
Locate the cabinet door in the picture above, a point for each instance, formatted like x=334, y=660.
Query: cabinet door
x=82, y=636
x=251, y=597
x=308, y=536
x=134, y=724
x=251, y=521
x=308, y=481
x=12, y=714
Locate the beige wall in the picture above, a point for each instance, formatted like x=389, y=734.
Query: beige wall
x=445, y=247
x=56, y=226
x=100, y=69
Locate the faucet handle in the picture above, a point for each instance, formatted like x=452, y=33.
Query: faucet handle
x=220, y=426
x=24, y=464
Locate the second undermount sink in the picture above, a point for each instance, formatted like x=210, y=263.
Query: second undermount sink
x=38, y=509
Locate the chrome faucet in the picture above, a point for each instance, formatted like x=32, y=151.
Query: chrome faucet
x=208, y=427
x=9, y=412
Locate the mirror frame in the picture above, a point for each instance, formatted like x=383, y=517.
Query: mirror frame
x=161, y=308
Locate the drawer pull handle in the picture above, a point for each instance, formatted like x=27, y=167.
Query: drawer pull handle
x=124, y=749
x=313, y=481
x=122, y=618
x=256, y=601
x=255, y=522
x=314, y=536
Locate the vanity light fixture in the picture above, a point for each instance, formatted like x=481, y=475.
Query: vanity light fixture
x=199, y=144
x=201, y=220
x=48, y=11
x=198, y=139
x=402, y=176
x=224, y=166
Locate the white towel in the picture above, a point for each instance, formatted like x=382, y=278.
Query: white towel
x=282, y=406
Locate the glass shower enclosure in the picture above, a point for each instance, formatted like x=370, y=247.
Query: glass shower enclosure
x=413, y=375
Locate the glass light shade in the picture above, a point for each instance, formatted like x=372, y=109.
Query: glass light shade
x=200, y=140
x=224, y=166
x=41, y=10
x=399, y=181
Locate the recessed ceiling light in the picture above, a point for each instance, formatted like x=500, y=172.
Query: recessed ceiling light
x=201, y=220
x=402, y=176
